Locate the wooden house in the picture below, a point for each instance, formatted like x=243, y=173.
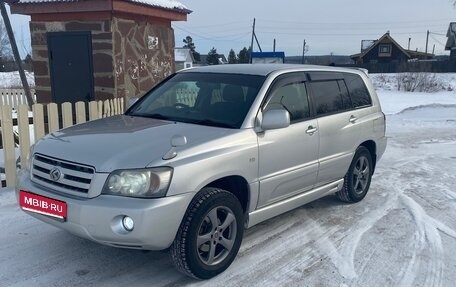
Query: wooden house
x=386, y=50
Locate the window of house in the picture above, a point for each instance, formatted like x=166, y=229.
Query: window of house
x=384, y=49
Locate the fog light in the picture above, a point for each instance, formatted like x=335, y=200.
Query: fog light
x=128, y=223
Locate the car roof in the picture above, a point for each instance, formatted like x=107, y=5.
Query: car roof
x=262, y=69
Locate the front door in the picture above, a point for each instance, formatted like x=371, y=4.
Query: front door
x=289, y=156
x=70, y=61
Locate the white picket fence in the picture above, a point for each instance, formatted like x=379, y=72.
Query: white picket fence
x=20, y=135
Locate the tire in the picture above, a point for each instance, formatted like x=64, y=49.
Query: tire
x=202, y=249
x=358, y=177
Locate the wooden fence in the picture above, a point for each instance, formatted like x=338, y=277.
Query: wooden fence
x=46, y=119
x=14, y=97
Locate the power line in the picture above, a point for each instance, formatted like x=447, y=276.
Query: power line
x=438, y=34
x=336, y=34
x=214, y=38
x=437, y=41
x=358, y=23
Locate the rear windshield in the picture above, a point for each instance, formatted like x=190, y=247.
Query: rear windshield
x=213, y=99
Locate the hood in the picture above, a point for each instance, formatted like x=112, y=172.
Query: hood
x=122, y=142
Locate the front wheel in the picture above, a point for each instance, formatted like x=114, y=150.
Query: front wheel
x=358, y=177
x=210, y=234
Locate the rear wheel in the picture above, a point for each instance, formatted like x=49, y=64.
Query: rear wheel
x=210, y=234
x=358, y=177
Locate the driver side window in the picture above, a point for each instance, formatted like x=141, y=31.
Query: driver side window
x=291, y=97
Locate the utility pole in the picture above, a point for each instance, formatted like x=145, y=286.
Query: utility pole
x=17, y=57
x=427, y=41
x=251, y=42
x=410, y=39
x=254, y=37
x=274, y=46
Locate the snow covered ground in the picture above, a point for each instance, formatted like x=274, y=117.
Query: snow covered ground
x=11, y=80
x=402, y=234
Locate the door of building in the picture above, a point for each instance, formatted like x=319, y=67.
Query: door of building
x=71, y=66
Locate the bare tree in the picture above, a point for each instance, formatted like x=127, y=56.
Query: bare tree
x=16, y=55
x=5, y=47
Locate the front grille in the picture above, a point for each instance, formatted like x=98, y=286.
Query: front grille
x=61, y=175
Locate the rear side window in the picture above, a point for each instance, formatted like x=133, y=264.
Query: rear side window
x=330, y=96
x=358, y=92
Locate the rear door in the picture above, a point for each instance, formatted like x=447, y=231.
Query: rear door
x=288, y=157
x=338, y=122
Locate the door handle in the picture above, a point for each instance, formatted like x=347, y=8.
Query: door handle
x=311, y=130
x=353, y=119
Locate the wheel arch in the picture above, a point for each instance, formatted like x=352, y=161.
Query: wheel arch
x=236, y=185
x=372, y=147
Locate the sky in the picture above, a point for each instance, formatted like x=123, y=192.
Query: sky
x=328, y=26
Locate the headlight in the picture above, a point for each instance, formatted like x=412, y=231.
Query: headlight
x=146, y=183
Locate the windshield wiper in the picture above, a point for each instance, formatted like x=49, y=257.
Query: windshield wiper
x=208, y=122
x=152, y=116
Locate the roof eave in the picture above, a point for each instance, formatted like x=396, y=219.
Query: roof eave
x=173, y=14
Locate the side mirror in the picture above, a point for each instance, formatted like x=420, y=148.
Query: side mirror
x=275, y=119
x=132, y=101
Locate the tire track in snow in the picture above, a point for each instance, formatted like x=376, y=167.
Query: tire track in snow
x=428, y=237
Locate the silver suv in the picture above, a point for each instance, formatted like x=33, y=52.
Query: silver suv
x=205, y=154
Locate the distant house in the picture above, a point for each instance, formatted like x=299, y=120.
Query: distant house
x=451, y=42
x=386, y=50
x=183, y=58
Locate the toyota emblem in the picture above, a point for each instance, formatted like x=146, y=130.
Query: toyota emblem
x=55, y=174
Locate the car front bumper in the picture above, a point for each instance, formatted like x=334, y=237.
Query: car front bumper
x=98, y=219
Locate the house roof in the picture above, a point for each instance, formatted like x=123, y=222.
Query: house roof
x=451, y=34
x=164, y=4
x=366, y=44
x=379, y=41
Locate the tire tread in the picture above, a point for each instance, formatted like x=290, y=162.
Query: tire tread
x=178, y=248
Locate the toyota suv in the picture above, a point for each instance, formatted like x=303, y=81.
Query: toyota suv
x=205, y=154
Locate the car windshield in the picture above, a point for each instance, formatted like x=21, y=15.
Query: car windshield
x=213, y=99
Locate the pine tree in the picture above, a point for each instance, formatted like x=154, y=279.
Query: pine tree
x=232, y=59
x=244, y=56
x=212, y=57
x=188, y=41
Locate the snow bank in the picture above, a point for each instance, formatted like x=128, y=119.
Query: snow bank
x=394, y=102
x=11, y=80
x=389, y=82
